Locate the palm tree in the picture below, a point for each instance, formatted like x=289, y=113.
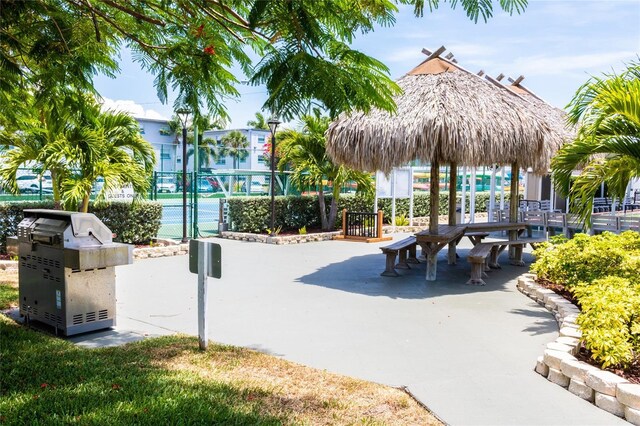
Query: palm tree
x=79, y=147
x=236, y=145
x=106, y=144
x=607, y=146
x=206, y=150
x=259, y=122
x=41, y=125
x=305, y=154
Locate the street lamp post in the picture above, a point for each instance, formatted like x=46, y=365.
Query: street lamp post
x=183, y=115
x=273, y=125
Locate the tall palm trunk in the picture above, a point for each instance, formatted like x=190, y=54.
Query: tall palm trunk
x=333, y=210
x=324, y=223
x=85, y=204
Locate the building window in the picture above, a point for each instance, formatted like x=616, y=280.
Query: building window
x=261, y=139
x=221, y=161
x=141, y=126
x=261, y=159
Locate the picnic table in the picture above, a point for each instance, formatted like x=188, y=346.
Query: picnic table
x=432, y=243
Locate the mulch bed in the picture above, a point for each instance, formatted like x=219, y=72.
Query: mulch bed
x=632, y=374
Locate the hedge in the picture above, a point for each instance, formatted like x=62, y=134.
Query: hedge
x=603, y=273
x=134, y=223
x=253, y=214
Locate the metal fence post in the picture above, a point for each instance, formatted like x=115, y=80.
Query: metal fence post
x=195, y=205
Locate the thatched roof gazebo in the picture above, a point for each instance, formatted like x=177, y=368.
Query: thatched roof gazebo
x=446, y=115
x=554, y=117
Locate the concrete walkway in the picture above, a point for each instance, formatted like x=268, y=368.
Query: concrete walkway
x=466, y=352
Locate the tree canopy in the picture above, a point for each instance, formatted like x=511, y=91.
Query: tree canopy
x=48, y=47
x=607, y=147
x=305, y=154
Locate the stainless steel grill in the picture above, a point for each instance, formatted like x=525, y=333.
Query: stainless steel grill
x=67, y=270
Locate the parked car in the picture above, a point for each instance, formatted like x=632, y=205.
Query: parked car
x=255, y=187
x=204, y=185
x=98, y=184
x=31, y=184
x=166, y=184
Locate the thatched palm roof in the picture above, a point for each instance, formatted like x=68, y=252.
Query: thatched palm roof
x=445, y=114
x=554, y=117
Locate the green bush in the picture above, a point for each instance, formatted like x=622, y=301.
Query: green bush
x=603, y=273
x=585, y=258
x=610, y=320
x=133, y=223
x=253, y=214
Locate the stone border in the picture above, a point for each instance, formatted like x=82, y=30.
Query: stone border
x=160, y=251
x=608, y=391
x=285, y=239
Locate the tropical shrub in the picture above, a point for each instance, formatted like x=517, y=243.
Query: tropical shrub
x=610, y=320
x=253, y=214
x=585, y=258
x=603, y=273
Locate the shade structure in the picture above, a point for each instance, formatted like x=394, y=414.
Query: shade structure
x=448, y=115
x=554, y=117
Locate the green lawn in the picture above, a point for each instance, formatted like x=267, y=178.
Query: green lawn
x=8, y=295
x=47, y=380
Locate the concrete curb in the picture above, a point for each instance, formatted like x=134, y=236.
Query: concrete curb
x=558, y=364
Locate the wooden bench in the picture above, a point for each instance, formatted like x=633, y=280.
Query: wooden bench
x=401, y=249
x=476, y=237
x=484, y=256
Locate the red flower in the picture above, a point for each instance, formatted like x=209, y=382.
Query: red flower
x=209, y=50
x=44, y=385
x=199, y=31
x=115, y=386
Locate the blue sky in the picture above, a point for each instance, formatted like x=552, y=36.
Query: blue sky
x=556, y=45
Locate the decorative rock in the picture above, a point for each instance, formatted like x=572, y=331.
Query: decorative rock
x=555, y=376
x=571, y=318
x=576, y=370
x=609, y=403
x=561, y=347
x=541, y=367
x=554, y=358
x=570, y=332
x=632, y=415
x=577, y=387
x=541, y=292
x=629, y=395
x=568, y=341
x=603, y=382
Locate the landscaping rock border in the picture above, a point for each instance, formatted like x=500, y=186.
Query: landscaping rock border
x=283, y=239
x=160, y=251
x=558, y=364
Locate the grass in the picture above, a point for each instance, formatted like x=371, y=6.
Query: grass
x=167, y=380
x=9, y=291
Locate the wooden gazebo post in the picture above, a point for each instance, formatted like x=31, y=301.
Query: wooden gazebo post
x=453, y=178
x=434, y=206
x=514, y=201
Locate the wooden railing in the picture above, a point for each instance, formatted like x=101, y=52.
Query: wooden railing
x=362, y=225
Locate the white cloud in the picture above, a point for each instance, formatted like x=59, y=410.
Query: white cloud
x=557, y=65
x=136, y=110
x=411, y=54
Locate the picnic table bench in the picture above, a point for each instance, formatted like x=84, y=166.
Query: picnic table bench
x=406, y=252
x=484, y=256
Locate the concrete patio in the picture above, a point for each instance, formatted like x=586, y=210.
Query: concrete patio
x=466, y=352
